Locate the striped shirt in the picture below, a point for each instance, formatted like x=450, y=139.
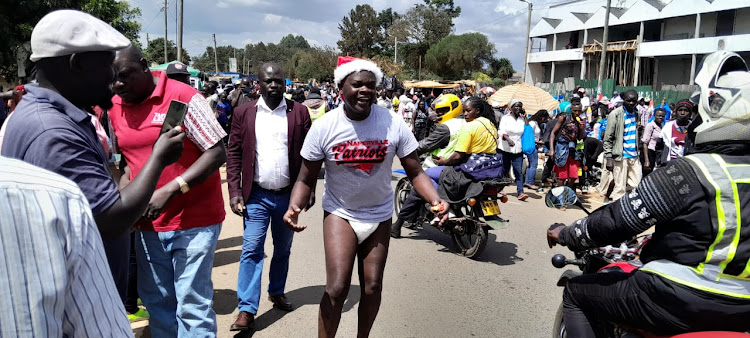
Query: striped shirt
x=55, y=279
x=630, y=136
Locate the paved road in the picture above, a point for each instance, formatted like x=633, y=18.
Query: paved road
x=428, y=290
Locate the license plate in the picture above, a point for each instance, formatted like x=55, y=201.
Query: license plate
x=490, y=208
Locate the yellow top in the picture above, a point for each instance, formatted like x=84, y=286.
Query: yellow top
x=478, y=136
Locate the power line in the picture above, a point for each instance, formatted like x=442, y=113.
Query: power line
x=152, y=20
x=495, y=21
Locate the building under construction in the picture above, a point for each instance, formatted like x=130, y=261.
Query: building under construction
x=654, y=43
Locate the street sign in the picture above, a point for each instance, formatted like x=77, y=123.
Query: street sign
x=233, y=65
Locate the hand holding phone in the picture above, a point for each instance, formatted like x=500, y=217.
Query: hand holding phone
x=175, y=116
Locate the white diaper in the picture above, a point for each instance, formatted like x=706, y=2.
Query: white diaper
x=363, y=229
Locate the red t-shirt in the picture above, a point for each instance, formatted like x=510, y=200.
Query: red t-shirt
x=137, y=127
x=678, y=134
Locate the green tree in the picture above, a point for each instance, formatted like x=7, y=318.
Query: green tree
x=294, y=42
x=314, y=63
x=423, y=26
x=154, y=52
x=252, y=56
x=360, y=32
x=19, y=18
x=457, y=56
x=501, y=68
x=118, y=14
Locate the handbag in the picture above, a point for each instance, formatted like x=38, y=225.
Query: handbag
x=528, y=142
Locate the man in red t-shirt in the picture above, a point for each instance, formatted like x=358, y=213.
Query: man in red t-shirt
x=177, y=236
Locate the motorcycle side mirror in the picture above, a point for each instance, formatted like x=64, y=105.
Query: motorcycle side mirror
x=558, y=261
x=561, y=197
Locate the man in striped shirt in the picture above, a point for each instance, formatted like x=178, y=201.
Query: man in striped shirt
x=55, y=281
x=621, y=146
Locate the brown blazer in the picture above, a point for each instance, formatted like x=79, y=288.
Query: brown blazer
x=241, y=147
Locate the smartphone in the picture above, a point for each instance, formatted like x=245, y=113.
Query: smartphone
x=175, y=116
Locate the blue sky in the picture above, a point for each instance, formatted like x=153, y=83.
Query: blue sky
x=238, y=22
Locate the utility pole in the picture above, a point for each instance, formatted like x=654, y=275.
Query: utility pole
x=179, y=30
x=216, y=58
x=147, y=41
x=166, y=58
x=395, y=49
x=603, y=61
x=528, y=37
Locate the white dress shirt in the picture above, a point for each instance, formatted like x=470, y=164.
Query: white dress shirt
x=271, y=146
x=514, y=129
x=55, y=279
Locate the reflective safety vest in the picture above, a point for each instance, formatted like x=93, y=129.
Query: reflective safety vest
x=316, y=113
x=726, y=269
x=454, y=126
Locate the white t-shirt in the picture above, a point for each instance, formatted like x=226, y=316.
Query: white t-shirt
x=514, y=129
x=358, y=159
x=537, y=130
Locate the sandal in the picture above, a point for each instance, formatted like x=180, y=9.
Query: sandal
x=531, y=186
x=522, y=197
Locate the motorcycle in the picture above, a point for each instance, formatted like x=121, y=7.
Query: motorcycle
x=470, y=220
x=622, y=258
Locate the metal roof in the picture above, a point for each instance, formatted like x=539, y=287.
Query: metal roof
x=588, y=14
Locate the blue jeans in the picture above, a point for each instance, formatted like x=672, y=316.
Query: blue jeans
x=174, y=280
x=434, y=174
x=263, y=206
x=531, y=169
x=516, y=160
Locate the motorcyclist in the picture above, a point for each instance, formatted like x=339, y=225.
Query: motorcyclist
x=442, y=139
x=696, y=275
x=439, y=143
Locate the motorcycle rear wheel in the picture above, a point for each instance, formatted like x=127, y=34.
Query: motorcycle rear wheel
x=471, y=243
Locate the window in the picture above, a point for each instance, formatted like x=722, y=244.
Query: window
x=725, y=23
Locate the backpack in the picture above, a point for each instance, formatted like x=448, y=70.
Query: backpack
x=528, y=142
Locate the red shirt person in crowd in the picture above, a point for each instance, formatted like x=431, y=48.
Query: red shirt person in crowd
x=177, y=237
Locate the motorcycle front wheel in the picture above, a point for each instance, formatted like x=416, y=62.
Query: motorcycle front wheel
x=403, y=187
x=559, y=330
x=470, y=242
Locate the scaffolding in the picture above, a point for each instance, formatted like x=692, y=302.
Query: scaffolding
x=620, y=64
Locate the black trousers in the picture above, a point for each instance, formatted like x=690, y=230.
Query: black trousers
x=548, y=165
x=645, y=301
x=131, y=300
x=410, y=209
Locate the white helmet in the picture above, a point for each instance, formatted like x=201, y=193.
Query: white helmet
x=723, y=99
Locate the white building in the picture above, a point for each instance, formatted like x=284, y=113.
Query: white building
x=651, y=42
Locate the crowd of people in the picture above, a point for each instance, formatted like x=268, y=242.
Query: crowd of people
x=137, y=240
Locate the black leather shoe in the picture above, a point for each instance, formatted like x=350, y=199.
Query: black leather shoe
x=281, y=302
x=245, y=322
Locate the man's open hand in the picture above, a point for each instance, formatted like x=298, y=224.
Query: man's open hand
x=291, y=217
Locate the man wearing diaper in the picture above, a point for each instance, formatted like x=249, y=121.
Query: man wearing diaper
x=358, y=142
x=263, y=160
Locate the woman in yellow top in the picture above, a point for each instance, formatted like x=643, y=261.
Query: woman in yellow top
x=477, y=136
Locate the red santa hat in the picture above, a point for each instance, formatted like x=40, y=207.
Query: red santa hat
x=347, y=65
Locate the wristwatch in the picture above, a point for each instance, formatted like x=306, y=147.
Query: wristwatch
x=184, y=188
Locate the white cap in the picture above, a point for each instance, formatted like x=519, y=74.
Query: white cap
x=67, y=32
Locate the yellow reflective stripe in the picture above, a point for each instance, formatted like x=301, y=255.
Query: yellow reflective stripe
x=746, y=272
x=744, y=279
x=736, y=195
x=696, y=286
x=742, y=181
x=719, y=208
